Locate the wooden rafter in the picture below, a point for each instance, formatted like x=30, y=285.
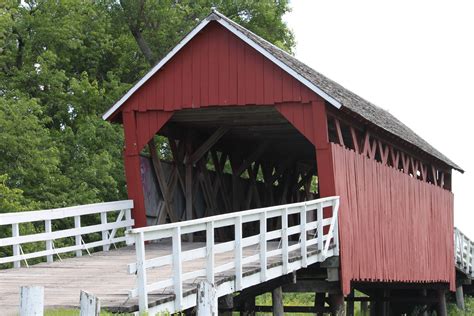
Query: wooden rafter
x=339, y=132
x=355, y=141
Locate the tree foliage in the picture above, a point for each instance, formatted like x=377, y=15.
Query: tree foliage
x=64, y=63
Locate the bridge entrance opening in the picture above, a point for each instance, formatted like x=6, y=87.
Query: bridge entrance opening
x=217, y=160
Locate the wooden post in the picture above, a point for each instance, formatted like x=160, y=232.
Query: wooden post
x=105, y=233
x=364, y=308
x=206, y=299
x=238, y=253
x=16, y=247
x=350, y=304
x=460, y=297
x=226, y=305
x=132, y=169
x=323, y=150
x=263, y=246
x=386, y=302
x=277, y=302
x=77, y=224
x=373, y=308
x=90, y=304
x=442, y=309
x=249, y=307
x=141, y=273
x=177, y=268
x=49, y=242
x=337, y=304
x=319, y=300
x=189, y=184
x=210, y=252
x=31, y=300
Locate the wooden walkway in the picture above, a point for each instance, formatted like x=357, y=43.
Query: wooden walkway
x=105, y=275
x=159, y=271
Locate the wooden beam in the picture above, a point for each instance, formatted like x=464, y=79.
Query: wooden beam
x=339, y=132
x=219, y=167
x=204, y=148
x=355, y=141
x=366, y=146
x=277, y=302
x=442, y=308
x=383, y=152
x=160, y=176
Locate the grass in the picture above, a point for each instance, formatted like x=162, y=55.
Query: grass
x=289, y=299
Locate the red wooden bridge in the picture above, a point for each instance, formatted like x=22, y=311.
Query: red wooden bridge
x=227, y=122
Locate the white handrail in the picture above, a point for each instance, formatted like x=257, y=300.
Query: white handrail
x=318, y=238
x=108, y=230
x=463, y=253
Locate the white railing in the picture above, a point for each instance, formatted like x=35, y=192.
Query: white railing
x=317, y=239
x=122, y=220
x=464, y=253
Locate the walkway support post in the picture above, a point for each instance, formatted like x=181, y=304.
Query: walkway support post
x=277, y=302
x=442, y=309
x=206, y=299
x=90, y=304
x=350, y=304
x=364, y=308
x=460, y=297
x=31, y=301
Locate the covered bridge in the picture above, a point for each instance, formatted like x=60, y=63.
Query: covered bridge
x=247, y=125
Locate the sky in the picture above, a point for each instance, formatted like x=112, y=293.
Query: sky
x=412, y=58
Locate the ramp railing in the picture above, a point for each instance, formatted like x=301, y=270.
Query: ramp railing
x=464, y=253
x=42, y=230
x=314, y=239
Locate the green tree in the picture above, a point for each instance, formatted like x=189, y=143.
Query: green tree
x=64, y=63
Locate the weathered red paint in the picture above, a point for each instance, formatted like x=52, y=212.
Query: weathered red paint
x=393, y=227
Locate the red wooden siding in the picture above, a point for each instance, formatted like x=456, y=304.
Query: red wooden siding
x=216, y=68
x=392, y=226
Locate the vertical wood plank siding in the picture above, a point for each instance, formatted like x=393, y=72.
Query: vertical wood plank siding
x=214, y=69
x=392, y=226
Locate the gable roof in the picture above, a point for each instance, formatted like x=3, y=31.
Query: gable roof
x=332, y=92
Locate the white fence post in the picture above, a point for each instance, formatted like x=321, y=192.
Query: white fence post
x=335, y=213
x=284, y=240
x=16, y=247
x=206, y=299
x=49, y=242
x=105, y=233
x=320, y=215
x=238, y=253
x=304, y=249
x=141, y=273
x=78, y=238
x=177, y=268
x=90, y=304
x=210, y=252
x=128, y=217
x=263, y=246
x=31, y=300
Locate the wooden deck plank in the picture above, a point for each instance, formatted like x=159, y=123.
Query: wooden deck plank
x=104, y=274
